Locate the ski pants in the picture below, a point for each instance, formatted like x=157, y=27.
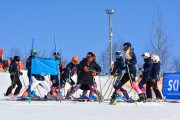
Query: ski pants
x=153, y=84
x=91, y=87
x=117, y=82
x=143, y=82
x=128, y=76
x=14, y=81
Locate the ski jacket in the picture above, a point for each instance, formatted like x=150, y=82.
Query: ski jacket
x=87, y=77
x=118, y=66
x=147, y=66
x=71, y=69
x=14, y=69
x=131, y=62
x=155, y=71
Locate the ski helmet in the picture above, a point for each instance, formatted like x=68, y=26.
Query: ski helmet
x=16, y=58
x=89, y=54
x=118, y=54
x=126, y=46
x=56, y=54
x=33, y=51
x=151, y=55
x=145, y=54
x=75, y=59
x=155, y=59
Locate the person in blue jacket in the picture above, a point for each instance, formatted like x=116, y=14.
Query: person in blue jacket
x=154, y=78
x=146, y=70
x=130, y=73
x=117, y=72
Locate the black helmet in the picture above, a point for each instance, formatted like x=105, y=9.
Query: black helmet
x=126, y=46
x=56, y=54
x=16, y=58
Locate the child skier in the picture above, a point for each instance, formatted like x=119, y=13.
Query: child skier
x=146, y=70
x=117, y=71
x=69, y=71
x=130, y=74
x=85, y=88
x=87, y=69
x=55, y=78
x=154, y=79
x=14, y=75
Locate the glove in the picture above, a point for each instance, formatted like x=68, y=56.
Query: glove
x=141, y=69
x=123, y=68
x=127, y=62
x=67, y=80
x=21, y=73
x=116, y=74
x=93, y=73
x=13, y=73
x=86, y=69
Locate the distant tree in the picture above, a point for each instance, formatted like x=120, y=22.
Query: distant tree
x=176, y=64
x=14, y=52
x=159, y=43
x=104, y=57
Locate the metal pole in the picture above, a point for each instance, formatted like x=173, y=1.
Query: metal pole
x=110, y=38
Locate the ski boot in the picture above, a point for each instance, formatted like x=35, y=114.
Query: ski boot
x=92, y=97
x=69, y=95
x=113, y=99
x=142, y=97
x=84, y=96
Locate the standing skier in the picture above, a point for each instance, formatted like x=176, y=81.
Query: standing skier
x=28, y=63
x=14, y=75
x=117, y=71
x=154, y=79
x=130, y=73
x=87, y=69
x=146, y=70
x=54, y=78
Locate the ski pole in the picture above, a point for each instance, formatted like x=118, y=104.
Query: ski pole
x=131, y=82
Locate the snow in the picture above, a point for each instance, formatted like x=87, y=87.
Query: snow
x=68, y=110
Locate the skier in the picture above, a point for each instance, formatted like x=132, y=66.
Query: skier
x=28, y=63
x=5, y=64
x=14, y=75
x=154, y=79
x=146, y=70
x=130, y=74
x=54, y=78
x=85, y=88
x=117, y=72
x=87, y=69
x=69, y=71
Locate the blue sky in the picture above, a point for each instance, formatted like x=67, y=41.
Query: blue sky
x=81, y=26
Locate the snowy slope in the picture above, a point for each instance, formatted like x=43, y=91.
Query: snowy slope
x=66, y=110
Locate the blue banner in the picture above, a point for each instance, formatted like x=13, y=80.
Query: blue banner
x=45, y=66
x=171, y=86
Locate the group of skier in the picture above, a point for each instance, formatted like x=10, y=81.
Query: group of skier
x=150, y=76
x=86, y=71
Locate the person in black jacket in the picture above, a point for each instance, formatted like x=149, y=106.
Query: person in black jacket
x=14, y=75
x=130, y=73
x=71, y=70
x=28, y=63
x=87, y=69
x=146, y=70
x=54, y=78
x=154, y=78
x=117, y=71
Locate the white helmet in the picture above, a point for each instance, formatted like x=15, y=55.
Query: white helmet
x=156, y=58
x=146, y=54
